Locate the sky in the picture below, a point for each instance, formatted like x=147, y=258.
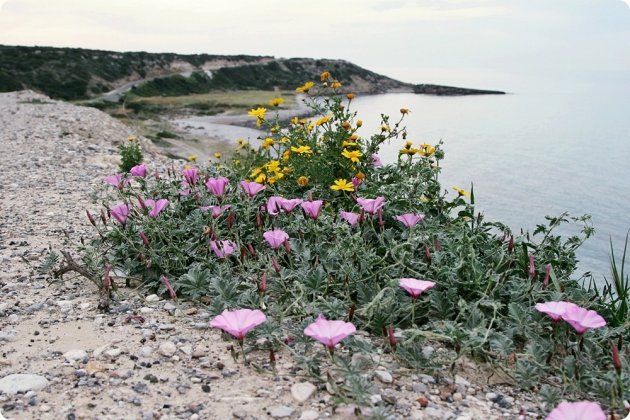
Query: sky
x=496, y=44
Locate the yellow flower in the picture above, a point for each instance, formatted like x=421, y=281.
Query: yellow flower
x=350, y=96
x=353, y=137
x=191, y=158
x=258, y=113
x=267, y=143
x=302, y=181
x=342, y=185
x=348, y=144
x=408, y=144
x=260, y=178
x=385, y=127
x=131, y=138
x=302, y=150
x=324, y=76
x=255, y=172
x=305, y=87
x=323, y=120
x=287, y=170
x=284, y=139
x=359, y=123
x=424, y=198
x=346, y=125
x=276, y=101
x=237, y=162
x=217, y=155
x=335, y=84
x=242, y=144
x=353, y=155
x=285, y=155
x=461, y=192
x=404, y=111
x=275, y=129
x=360, y=176
x=273, y=165
x=295, y=121
x=427, y=149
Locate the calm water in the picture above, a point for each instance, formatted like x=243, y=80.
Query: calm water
x=528, y=155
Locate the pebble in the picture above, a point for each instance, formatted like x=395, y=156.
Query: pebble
x=169, y=306
x=309, y=415
x=302, y=391
x=22, y=382
x=75, y=355
x=167, y=348
x=281, y=411
x=384, y=376
x=113, y=352
x=13, y=319
x=152, y=298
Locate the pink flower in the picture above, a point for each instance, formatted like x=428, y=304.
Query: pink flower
x=252, y=188
x=329, y=333
x=238, y=322
x=289, y=204
x=217, y=185
x=312, y=208
x=356, y=182
x=222, y=249
x=139, y=170
x=156, y=206
x=582, y=319
x=376, y=161
x=351, y=218
x=117, y=181
x=216, y=210
x=581, y=410
x=554, y=310
x=415, y=287
x=191, y=175
x=371, y=205
x=185, y=189
x=120, y=213
x=410, y=219
x=275, y=238
x=274, y=205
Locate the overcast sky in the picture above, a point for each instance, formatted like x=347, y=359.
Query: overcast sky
x=479, y=43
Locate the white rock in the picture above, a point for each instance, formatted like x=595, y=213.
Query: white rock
x=98, y=351
x=167, y=348
x=461, y=381
x=281, y=411
x=113, y=352
x=84, y=306
x=12, y=384
x=187, y=350
x=146, y=310
x=303, y=391
x=169, y=306
x=75, y=355
x=384, y=376
x=146, y=351
x=152, y=298
x=13, y=319
x=309, y=415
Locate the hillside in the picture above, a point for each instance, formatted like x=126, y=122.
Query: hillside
x=75, y=73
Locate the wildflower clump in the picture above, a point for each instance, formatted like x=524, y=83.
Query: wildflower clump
x=323, y=238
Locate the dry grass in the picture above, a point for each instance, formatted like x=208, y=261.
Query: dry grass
x=229, y=99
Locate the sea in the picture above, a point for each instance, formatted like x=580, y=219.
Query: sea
x=528, y=154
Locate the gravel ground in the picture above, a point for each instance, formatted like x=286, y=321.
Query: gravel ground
x=61, y=358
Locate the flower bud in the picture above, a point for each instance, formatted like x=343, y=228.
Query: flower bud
x=392, y=338
x=531, y=267
x=272, y=357
x=107, y=281
x=427, y=252
x=90, y=218
x=229, y=221
x=511, y=244
x=144, y=238
x=276, y=266
x=103, y=217
x=251, y=249
x=351, y=312
x=287, y=246
x=262, y=287
x=615, y=357
x=170, y=289
x=547, y=274
x=438, y=245
x=258, y=219
x=141, y=203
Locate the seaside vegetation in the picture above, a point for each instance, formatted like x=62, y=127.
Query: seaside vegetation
x=311, y=228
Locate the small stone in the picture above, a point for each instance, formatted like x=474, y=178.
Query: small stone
x=93, y=367
x=167, y=327
x=140, y=388
x=281, y=411
x=169, y=306
x=384, y=376
x=435, y=414
x=146, y=351
x=75, y=355
x=427, y=379
x=205, y=388
x=461, y=381
x=113, y=352
x=198, y=353
x=146, y=310
x=152, y=298
x=457, y=397
x=302, y=391
x=13, y=319
x=420, y=388
x=187, y=350
x=167, y=348
x=422, y=400
x=427, y=351
x=309, y=415
x=389, y=396
x=85, y=305
x=240, y=414
x=376, y=398
x=491, y=396
x=201, y=325
x=44, y=408
x=22, y=382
